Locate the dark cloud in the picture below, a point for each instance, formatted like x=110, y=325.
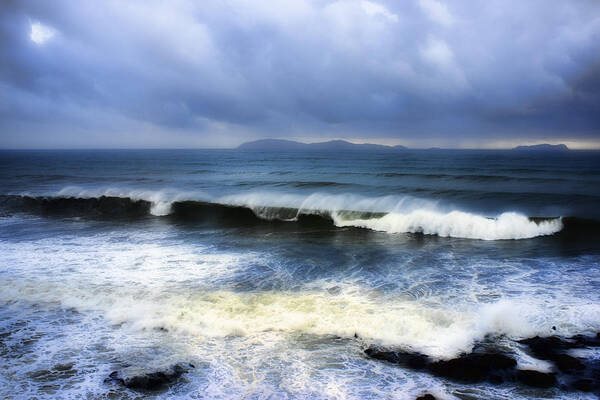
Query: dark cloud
x=187, y=73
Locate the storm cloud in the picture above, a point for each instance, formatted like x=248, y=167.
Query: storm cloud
x=214, y=73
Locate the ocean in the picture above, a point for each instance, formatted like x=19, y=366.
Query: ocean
x=268, y=274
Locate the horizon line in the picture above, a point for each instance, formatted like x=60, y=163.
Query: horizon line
x=236, y=148
x=570, y=144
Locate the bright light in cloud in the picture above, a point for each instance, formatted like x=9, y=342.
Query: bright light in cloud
x=437, y=52
x=40, y=34
x=437, y=11
x=375, y=9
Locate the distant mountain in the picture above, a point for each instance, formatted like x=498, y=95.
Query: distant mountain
x=333, y=145
x=272, y=144
x=543, y=147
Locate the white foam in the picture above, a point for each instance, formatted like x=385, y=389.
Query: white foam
x=325, y=202
x=457, y=224
x=161, y=208
x=435, y=329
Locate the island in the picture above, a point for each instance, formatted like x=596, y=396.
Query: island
x=332, y=145
x=543, y=147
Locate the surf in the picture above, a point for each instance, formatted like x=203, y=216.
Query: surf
x=389, y=214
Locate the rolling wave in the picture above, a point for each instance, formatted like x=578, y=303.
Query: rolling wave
x=389, y=214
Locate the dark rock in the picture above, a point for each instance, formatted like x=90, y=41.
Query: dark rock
x=474, y=367
x=545, y=347
x=536, y=378
x=567, y=363
x=63, y=367
x=114, y=377
x=553, y=349
x=426, y=396
x=587, y=341
x=585, y=385
x=411, y=360
x=574, y=373
x=151, y=381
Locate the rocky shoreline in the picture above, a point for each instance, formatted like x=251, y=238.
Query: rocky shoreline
x=569, y=373
x=485, y=364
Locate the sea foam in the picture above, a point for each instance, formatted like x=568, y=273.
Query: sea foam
x=457, y=224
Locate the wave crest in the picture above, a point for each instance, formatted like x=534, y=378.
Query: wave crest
x=391, y=214
x=457, y=224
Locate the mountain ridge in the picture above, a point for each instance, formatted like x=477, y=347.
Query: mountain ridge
x=343, y=145
x=332, y=145
x=543, y=147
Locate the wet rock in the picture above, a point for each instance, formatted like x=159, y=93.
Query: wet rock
x=63, y=367
x=150, y=381
x=554, y=349
x=585, y=385
x=411, y=360
x=545, y=347
x=474, y=367
x=567, y=363
x=485, y=364
x=536, y=378
x=426, y=396
x=114, y=377
x=587, y=341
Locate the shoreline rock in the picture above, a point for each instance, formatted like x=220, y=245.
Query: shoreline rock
x=426, y=396
x=150, y=381
x=571, y=373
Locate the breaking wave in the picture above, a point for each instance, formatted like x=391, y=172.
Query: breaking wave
x=458, y=224
x=391, y=214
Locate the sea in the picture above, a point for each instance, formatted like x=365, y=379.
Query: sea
x=271, y=272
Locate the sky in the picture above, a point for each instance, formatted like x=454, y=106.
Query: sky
x=422, y=73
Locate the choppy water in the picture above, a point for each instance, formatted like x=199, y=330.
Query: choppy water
x=260, y=268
